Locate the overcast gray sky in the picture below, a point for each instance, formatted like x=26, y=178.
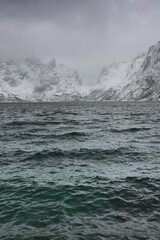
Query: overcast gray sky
x=84, y=34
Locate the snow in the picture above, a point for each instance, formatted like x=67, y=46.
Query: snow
x=113, y=75
x=136, y=80
x=30, y=79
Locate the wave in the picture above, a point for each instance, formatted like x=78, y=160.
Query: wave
x=85, y=154
x=68, y=135
x=130, y=130
x=73, y=134
x=18, y=123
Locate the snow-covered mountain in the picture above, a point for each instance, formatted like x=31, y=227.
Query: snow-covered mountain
x=6, y=94
x=135, y=80
x=31, y=80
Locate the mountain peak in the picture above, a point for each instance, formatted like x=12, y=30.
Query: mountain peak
x=32, y=80
x=52, y=63
x=136, y=80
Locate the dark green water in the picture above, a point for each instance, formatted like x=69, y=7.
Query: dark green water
x=80, y=171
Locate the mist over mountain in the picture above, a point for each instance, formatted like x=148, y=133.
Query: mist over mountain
x=31, y=80
x=83, y=35
x=135, y=80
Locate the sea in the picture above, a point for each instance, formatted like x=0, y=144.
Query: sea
x=80, y=171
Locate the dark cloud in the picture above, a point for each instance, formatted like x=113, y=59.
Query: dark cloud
x=85, y=34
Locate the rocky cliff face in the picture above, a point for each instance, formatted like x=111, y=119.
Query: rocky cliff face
x=6, y=94
x=32, y=80
x=136, y=80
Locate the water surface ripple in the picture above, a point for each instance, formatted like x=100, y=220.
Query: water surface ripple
x=80, y=171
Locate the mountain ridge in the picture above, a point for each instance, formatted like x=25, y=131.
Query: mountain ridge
x=140, y=81
x=31, y=80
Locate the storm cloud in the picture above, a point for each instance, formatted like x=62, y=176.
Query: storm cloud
x=84, y=34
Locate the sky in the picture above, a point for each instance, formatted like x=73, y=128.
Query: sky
x=83, y=34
